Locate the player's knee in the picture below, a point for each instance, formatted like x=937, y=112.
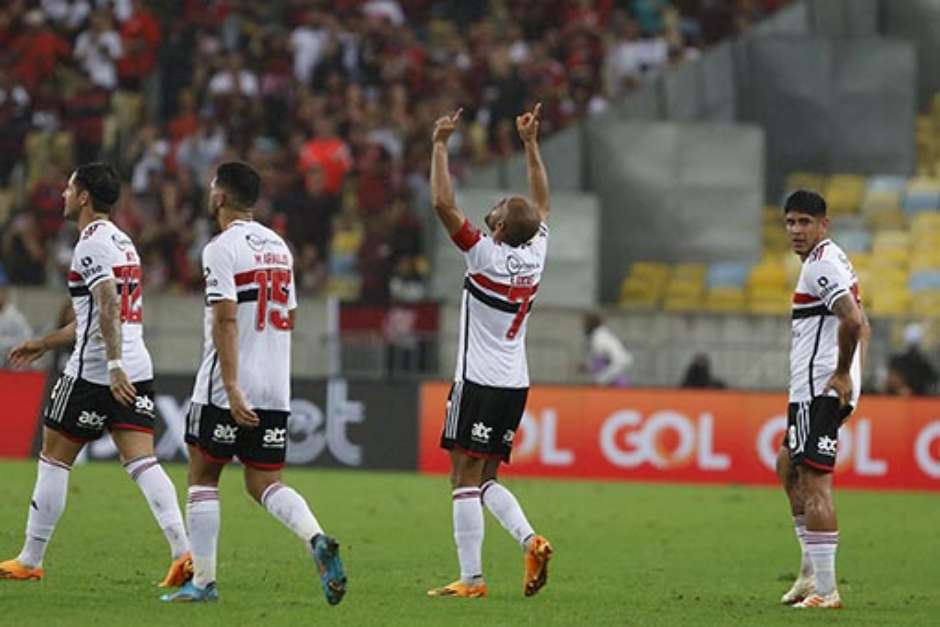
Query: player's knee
x=256, y=483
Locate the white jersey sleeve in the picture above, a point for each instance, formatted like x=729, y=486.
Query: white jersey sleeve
x=828, y=280
x=218, y=263
x=96, y=258
x=478, y=249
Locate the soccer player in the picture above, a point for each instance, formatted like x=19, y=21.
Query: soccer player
x=830, y=332
x=107, y=383
x=241, y=399
x=492, y=379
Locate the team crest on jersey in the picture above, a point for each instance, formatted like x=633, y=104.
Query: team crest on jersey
x=480, y=433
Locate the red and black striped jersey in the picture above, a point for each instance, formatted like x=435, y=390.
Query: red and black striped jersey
x=104, y=253
x=251, y=265
x=827, y=276
x=499, y=291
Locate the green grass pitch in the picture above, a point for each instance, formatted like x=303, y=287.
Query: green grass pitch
x=626, y=554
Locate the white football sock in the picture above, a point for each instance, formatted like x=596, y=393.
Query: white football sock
x=161, y=497
x=292, y=510
x=468, y=533
x=45, y=508
x=504, y=506
x=202, y=513
x=821, y=546
x=799, y=527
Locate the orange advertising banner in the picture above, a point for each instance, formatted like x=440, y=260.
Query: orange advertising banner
x=696, y=436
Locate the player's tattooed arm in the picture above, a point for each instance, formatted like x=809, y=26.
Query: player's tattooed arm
x=225, y=339
x=442, y=189
x=527, y=126
x=109, y=318
x=865, y=338
x=31, y=350
x=851, y=326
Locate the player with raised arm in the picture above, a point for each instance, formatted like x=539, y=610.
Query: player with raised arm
x=241, y=399
x=107, y=383
x=830, y=334
x=491, y=381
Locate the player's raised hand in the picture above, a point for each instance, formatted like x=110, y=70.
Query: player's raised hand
x=26, y=353
x=445, y=126
x=527, y=124
x=241, y=412
x=841, y=383
x=122, y=389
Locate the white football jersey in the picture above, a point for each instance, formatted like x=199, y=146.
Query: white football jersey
x=827, y=275
x=251, y=265
x=499, y=291
x=103, y=251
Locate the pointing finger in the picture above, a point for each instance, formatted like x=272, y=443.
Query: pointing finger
x=537, y=111
x=456, y=116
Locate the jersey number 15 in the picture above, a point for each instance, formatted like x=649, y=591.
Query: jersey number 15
x=279, y=293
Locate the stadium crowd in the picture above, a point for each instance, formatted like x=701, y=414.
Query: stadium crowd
x=332, y=100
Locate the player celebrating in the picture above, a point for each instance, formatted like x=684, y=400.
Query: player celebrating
x=107, y=383
x=241, y=399
x=825, y=380
x=492, y=379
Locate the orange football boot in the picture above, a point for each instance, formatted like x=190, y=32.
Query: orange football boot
x=181, y=571
x=13, y=569
x=537, y=555
x=460, y=589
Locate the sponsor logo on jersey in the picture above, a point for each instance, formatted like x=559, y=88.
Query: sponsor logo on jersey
x=211, y=281
x=144, y=405
x=791, y=436
x=508, y=437
x=225, y=434
x=514, y=265
x=274, y=438
x=121, y=241
x=480, y=433
x=91, y=419
x=258, y=243
x=827, y=446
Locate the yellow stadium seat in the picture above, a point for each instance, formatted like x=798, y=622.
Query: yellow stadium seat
x=726, y=300
x=925, y=222
x=805, y=180
x=890, y=302
x=844, y=193
x=926, y=304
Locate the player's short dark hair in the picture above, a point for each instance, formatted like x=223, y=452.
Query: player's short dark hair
x=805, y=201
x=522, y=221
x=241, y=181
x=102, y=183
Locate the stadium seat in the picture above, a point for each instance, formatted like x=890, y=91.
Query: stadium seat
x=844, y=193
x=726, y=300
x=885, y=183
x=728, y=274
x=925, y=281
x=805, y=180
x=890, y=302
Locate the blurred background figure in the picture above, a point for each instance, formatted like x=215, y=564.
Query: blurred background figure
x=607, y=360
x=699, y=374
x=14, y=328
x=911, y=373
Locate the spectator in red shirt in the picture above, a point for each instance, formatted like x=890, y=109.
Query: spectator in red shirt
x=45, y=201
x=141, y=37
x=38, y=51
x=328, y=152
x=85, y=111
